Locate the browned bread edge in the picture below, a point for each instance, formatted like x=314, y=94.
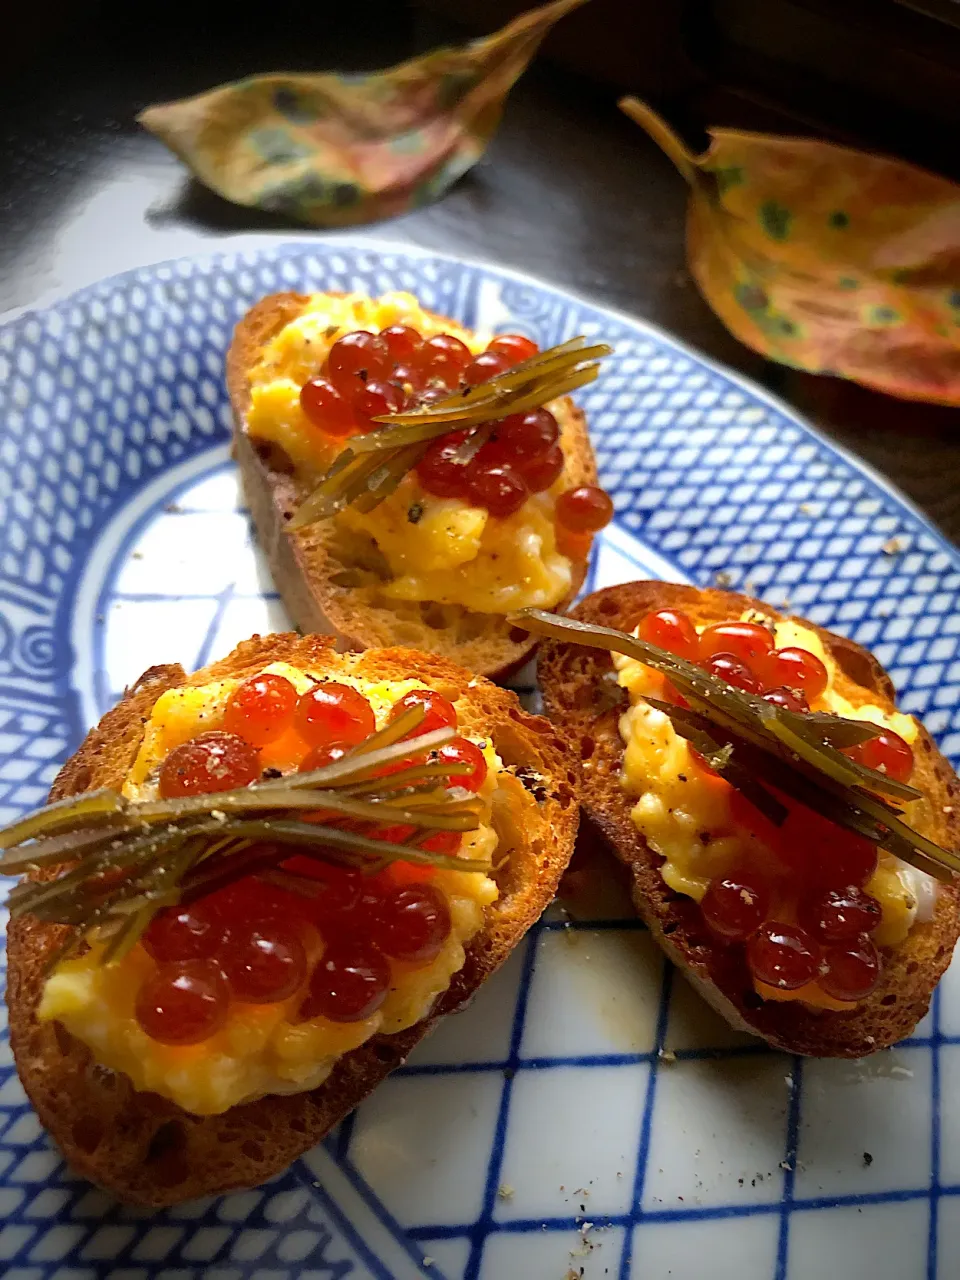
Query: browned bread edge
x=303, y=564
x=586, y=707
x=146, y=1149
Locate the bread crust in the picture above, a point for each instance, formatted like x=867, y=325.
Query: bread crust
x=146, y=1149
x=305, y=563
x=586, y=708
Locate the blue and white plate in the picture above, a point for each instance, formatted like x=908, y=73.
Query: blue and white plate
x=587, y=1116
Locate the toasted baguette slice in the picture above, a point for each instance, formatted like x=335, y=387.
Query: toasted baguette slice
x=146, y=1149
x=325, y=579
x=586, y=705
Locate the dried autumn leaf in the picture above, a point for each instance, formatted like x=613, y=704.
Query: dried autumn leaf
x=335, y=150
x=825, y=258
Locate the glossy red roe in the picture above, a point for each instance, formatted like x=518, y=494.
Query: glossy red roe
x=841, y=915
x=539, y=473
x=728, y=667
x=735, y=905
x=782, y=955
x=747, y=641
x=497, y=487
x=326, y=408
x=349, y=983
x=374, y=399
x=848, y=861
x=261, y=709
x=265, y=963
x=252, y=900
x=513, y=345
x=444, y=358
x=527, y=435
x=193, y=932
x=795, y=668
x=439, y=713
x=671, y=630
x=333, y=713
x=586, y=509
x=414, y=925
x=356, y=358
x=887, y=753
x=824, y=856
x=463, y=751
x=851, y=970
x=410, y=381
x=326, y=753
x=402, y=342
x=334, y=890
x=485, y=366
x=439, y=471
x=789, y=699
x=183, y=1003
x=213, y=761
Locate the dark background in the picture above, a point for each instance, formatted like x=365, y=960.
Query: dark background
x=569, y=191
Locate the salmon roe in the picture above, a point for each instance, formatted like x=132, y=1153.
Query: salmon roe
x=804, y=916
x=326, y=946
x=366, y=376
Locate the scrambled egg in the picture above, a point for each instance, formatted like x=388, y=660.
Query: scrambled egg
x=427, y=541
x=457, y=554
x=259, y=1050
x=684, y=813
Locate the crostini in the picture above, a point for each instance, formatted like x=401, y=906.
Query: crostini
x=791, y=836
x=256, y=889
x=409, y=482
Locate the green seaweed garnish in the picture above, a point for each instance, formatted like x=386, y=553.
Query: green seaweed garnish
x=757, y=745
x=100, y=862
x=371, y=467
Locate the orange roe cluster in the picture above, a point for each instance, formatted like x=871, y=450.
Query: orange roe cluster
x=367, y=375
x=250, y=941
x=801, y=914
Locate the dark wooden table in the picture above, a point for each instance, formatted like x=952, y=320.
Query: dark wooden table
x=569, y=191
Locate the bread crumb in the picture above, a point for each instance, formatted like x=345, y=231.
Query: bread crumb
x=723, y=579
x=505, y=1191
x=428, y=1262
x=667, y=1056
x=893, y=546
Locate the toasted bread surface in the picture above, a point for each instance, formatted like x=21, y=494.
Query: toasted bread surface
x=143, y=1147
x=584, y=701
x=314, y=568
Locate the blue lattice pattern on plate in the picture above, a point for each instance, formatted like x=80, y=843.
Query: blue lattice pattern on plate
x=113, y=406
